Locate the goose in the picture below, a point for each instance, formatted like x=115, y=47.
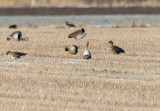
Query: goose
x=72, y=49
x=79, y=34
x=115, y=49
x=86, y=53
x=14, y=26
x=69, y=25
x=17, y=36
x=15, y=55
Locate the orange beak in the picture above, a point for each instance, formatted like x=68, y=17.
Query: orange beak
x=67, y=54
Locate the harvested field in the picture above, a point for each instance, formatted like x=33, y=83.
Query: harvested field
x=47, y=80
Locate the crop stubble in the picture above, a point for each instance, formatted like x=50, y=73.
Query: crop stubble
x=46, y=79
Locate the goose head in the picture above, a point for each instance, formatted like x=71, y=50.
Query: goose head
x=67, y=49
x=8, y=38
x=8, y=52
x=83, y=30
x=67, y=22
x=110, y=43
x=72, y=49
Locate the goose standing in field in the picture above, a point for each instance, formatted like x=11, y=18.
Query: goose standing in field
x=79, y=34
x=14, y=26
x=17, y=36
x=69, y=25
x=114, y=49
x=72, y=49
x=86, y=53
x=15, y=55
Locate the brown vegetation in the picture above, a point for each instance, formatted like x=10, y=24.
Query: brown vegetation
x=46, y=79
x=154, y=24
x=79, y=3
x=133, y=25
x=125, y=25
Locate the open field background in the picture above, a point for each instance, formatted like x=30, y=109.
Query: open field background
x=79, y=3
x=46, y=79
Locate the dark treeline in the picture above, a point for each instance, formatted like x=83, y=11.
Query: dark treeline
x=77, y=11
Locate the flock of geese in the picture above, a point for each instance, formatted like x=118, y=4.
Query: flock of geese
x=70, y=49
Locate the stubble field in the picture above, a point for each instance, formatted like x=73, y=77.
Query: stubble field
x=47, y=80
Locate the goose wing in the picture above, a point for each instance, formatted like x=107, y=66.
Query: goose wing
x=19, y=53
x=13, y=26
x=74, y=34
x=71, y=25
x=118, y=49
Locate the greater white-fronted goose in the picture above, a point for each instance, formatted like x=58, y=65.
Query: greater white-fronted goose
x=86, y=53
x=114, y=49
x=69, y=25
x=79, y=34
x=72, y=49
x=15, y=55
x=16, y=36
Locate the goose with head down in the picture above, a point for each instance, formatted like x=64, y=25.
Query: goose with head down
x=79, y=34
x=86, y=53
x=17, y=36
x=13, y=26
x=15, y=55
x=69, y=25
x=114, y=49
x=72, y=49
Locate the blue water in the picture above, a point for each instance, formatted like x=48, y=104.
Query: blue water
x=84, y=20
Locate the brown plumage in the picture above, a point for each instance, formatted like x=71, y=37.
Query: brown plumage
x=15, y=55
x=79, y=34
x=24, y=39
x=69, y=25
x=72, y=49
x=114, y=49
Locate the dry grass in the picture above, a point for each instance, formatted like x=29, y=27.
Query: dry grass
x=47, y=80
x=125, y=25
x=133, y=25
x=79, y=3
x=154, y=24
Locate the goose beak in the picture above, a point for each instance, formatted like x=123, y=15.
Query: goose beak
x=67, y=54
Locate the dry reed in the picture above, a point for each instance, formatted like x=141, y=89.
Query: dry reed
x=79, y=3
